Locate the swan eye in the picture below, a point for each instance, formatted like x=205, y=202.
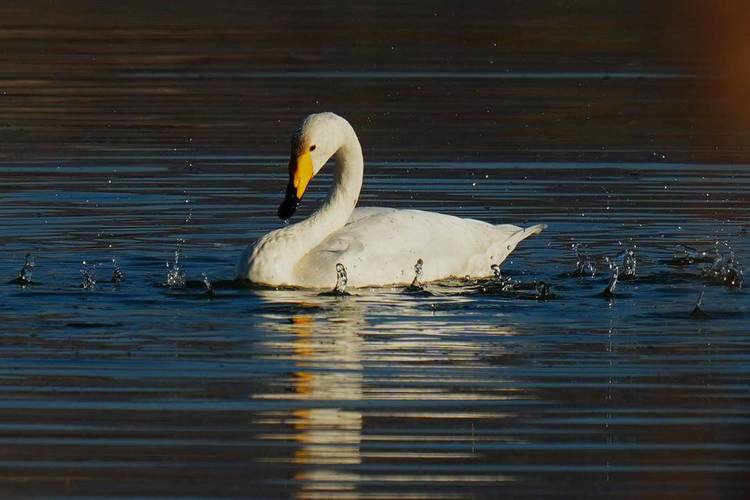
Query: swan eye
x=312, y=148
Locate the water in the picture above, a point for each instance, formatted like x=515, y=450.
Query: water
x=341, y=279
x=24, y=276
x=153, y=147
x=117, y=274
x=88, y=276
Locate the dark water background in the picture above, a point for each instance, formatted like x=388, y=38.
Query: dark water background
x=129, y=129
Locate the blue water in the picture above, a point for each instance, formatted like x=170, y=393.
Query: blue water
x=456, y=389
x=134, y=133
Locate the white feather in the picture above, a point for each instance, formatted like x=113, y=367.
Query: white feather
x=378, y=246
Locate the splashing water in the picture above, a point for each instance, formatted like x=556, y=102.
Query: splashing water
x=24, y=276
x=543, y=291
x=725, y=267
x=416, y=287
x=506, y=283
x=341, y=278
x=497, y=272
x=117, y=275
x=208, y=285
x=584, y=264
x=89, y=278
x=700, y=298
x=629, y=263
x=625, y=263
x=175, y=275
x=612, y=284
x=697, y=311
x=416, y=282
x=685, y=255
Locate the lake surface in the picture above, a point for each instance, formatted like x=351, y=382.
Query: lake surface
x=138, y=134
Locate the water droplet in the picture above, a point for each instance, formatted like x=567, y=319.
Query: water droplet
x=89, y=279
x=506, y=283
x=416, y=282
x=543, y=290
x=175, y=275
x=208, y=285
x=584, y=263
x=496, y=271
x=612, y=285
x=697, y=310
x=725, y=268
x=24, y=276
x=625, y=262
x=341, y=279
x=117, y=275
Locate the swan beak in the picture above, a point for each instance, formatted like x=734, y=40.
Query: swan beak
x=300, y=173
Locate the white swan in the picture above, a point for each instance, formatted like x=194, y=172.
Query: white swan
x=378, y=246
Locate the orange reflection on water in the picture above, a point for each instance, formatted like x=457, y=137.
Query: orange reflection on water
x=325, y=342
x=327, y=437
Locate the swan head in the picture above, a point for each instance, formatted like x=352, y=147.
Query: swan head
x=314, y=142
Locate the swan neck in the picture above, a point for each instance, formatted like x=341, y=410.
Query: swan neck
x=341, y=200
x=276, y=257
x=347, y=178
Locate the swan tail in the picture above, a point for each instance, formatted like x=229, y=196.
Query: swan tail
x=533, y=230
x=526, y=232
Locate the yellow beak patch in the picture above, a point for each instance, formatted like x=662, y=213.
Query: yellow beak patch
x=300, y=172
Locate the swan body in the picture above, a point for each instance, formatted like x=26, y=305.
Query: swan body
x=378, y=246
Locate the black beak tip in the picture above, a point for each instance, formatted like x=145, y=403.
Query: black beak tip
x=288, y=207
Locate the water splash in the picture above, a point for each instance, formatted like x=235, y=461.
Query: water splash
x=416, y=287
x=497, y=272
x=725, y=267
x=175, y=275
x=89, y=277
x=503, y=282
x=417, y=281
x=685, y=255
x=609, y=291
x=629, y=263
x=207, y=283
x=24, y=275
x=585, y=266
x=543, y=291
x=625, y=263
x=519, y=289
x=117, y=275
x=697, y=310
x=341, y=280
x=209, y=287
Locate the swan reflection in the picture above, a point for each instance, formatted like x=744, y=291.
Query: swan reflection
x=326, y=353
x=413, y=355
